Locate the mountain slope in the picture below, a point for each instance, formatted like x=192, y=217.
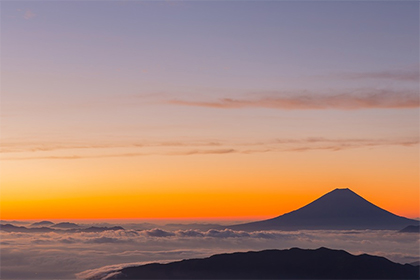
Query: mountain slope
x=411, y=229
x=338, y=209
x=42, y=223
x=294, y=263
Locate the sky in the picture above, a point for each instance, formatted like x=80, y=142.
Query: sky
x=206, y=109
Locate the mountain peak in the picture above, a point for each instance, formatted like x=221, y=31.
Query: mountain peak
x=342, y=189
x=340, y=208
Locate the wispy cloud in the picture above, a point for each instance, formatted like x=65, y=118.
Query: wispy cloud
x=169, y=153
x=182, y=149
x=320, y=143
x=29, y=15
x=16, y=146
x=396, y=75
x=374, y=99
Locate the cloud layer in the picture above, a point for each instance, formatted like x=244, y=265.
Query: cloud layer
x=64, y=254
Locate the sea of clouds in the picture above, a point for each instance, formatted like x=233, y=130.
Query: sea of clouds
x=69, y=255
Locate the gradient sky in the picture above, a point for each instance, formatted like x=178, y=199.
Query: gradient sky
x=196, y=109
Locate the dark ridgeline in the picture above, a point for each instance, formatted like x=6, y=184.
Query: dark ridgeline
x=415, y=229
x=42, y=223
x=338, y=209
x=294, y=263
x=13, y=228
x=100, y=229
x=65, y=225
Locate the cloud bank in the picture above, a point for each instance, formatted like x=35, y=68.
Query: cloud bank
x=62, y=254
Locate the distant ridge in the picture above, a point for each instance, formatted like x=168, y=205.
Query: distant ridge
x=338, y=209
x=13, y=228
x=411, y=229
x=65, y=225
x=42, y=223
x=294, y=263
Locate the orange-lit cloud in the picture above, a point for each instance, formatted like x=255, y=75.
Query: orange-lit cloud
x=374, y=99
x=16, y=147
x=180, y=153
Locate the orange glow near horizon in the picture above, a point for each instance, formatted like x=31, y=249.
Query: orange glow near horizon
x=206, y=186
x=197, y=206
x=237, y=186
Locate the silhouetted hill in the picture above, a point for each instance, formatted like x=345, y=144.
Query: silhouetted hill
x=99, y=229
x=294, y=263
x=411, y=229
x=42, y=223
x=12, y=228
x=66, y=225
x=338, y=209
x=14, y=222
x=196, y=226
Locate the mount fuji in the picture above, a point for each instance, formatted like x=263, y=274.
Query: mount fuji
x=340, y=209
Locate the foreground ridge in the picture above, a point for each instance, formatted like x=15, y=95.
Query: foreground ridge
x=294, y=263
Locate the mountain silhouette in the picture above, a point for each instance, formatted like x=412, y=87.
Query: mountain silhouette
x=100, y=229
x=294, y=263
x=13, y=228
x=66, y=225
x=411, y=229
x=338, y=209
x=42, y=223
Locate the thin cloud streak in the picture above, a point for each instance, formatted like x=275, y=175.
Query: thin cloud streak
x=409, y=76
x=181, y=153
x=377, y=99
x=16, y=147
x=29, y=15
x=276, y=145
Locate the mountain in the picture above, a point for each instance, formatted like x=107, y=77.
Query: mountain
x=411, y=229
x=338, y=209
x=196, y=226
x=294, y=263
x=12, y=228
x=66, y=225
x=41, y=224
x=13, y=222
x=100, y=229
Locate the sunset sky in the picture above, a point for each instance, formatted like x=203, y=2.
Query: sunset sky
x=206, y=109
